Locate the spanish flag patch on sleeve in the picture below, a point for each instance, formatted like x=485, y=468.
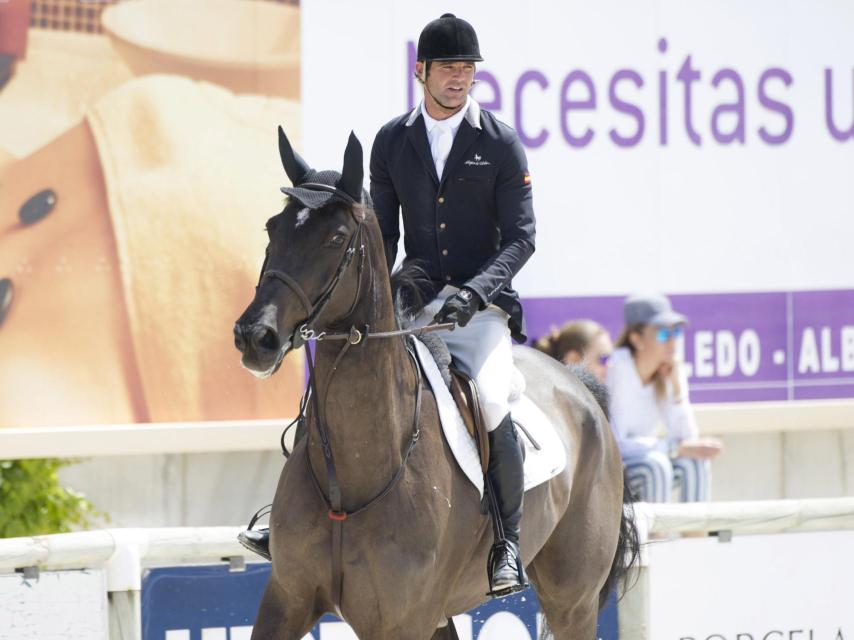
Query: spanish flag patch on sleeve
x=527, y=178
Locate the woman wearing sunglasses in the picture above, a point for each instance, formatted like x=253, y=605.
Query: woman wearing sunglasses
x=579, y=341
x=650, y=412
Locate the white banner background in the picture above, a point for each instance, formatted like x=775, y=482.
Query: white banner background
x=796, y=584
x=677, y=217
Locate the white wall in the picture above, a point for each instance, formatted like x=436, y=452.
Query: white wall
x=226, y=488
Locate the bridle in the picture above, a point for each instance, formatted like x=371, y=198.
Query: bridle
x=304, y=333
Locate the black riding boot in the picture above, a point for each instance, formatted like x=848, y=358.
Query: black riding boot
x=258, y=540
x=505, y=571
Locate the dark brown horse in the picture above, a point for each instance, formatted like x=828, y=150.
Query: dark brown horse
x=418, y=554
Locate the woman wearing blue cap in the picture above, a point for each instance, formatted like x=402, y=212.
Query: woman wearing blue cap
x=650, y=412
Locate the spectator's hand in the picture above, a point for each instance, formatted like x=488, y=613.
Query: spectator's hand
x=458, y=308
x=700, y=448
x=665, y=370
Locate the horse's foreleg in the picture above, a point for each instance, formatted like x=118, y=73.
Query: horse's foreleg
x=445, y=633
x=281, y=618
x=571, y=613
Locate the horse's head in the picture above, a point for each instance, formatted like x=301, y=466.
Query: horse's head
x=312, y=272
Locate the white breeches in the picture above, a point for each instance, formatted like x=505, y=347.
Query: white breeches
x=483, y=350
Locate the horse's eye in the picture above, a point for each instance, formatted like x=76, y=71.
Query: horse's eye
x=336, y=241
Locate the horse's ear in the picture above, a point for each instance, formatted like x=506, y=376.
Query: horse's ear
x=353, y=172
x=295, y=167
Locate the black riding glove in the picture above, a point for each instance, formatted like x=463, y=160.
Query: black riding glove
x=459, y=308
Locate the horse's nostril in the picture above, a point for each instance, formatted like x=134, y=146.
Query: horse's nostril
x=239, y=339
x=267, y=339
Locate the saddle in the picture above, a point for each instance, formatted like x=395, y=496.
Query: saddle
x=464, y=391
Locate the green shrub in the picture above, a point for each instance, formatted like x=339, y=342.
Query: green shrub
x=33, y=502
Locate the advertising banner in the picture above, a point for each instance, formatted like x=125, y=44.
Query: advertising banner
x=743, y=346
x=211, y=603
x=138, y=165
x=54, y=605
x=660, y=161
x=798, y=588
x=137, y=173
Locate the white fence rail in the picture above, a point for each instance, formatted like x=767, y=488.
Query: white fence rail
x=123, y=553
x=263, y=435
x=767, y=516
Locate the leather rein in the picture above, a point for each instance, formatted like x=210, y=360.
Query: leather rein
x=306, y=333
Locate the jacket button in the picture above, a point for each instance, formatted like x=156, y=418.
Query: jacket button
x=444, y=252
x=442, y=225
x=441, y=199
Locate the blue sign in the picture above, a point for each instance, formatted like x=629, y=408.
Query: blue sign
x=213, y=603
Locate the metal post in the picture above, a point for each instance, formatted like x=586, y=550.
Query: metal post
x=125, y=615
x=633, y=608
x=124, y=583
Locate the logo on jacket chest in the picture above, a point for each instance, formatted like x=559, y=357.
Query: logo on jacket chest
x=477, y=161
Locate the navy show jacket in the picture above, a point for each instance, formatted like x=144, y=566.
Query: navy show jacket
x=475, y=227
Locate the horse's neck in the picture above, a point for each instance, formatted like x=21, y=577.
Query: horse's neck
x=368, y=402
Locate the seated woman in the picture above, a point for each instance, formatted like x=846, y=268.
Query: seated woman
x=579, y=341
x=650, y=412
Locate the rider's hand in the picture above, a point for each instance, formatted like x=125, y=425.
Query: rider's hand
x=458, y=308
x=700, y=448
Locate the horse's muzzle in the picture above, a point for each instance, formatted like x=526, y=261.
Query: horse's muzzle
x=260, y=345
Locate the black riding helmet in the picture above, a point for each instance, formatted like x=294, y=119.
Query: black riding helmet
x=448, y=38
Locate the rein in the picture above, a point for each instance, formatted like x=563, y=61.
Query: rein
x=305, y=333
x=355, y=336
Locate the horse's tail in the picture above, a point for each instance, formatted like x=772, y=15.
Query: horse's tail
x=628, y=544
x=627, y=554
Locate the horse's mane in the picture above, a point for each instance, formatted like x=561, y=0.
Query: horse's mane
x=408, y=285
x=599, y=390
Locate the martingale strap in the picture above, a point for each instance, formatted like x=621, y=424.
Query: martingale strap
x=334, y=505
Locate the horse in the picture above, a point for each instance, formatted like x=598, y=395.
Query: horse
x=373, y=520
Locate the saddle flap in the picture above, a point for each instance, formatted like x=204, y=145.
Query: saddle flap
x=544, y=460
x=464, y=392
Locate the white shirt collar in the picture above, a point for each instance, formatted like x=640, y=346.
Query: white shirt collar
x=453, y=122
x=470, y=112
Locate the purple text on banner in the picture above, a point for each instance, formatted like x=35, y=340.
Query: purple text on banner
x=741, y=347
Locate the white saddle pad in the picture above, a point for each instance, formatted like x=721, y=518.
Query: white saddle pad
x=540, y=464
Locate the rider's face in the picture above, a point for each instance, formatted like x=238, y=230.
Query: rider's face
x=446, y=84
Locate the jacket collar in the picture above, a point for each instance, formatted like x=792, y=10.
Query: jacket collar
x=472, y=114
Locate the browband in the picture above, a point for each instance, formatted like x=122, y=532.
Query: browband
x=317, y=186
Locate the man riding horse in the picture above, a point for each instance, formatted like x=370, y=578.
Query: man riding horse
x=460, y=177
